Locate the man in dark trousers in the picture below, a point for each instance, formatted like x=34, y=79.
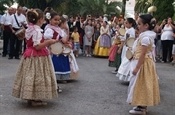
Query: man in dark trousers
x=18, y=21
x=7, y=33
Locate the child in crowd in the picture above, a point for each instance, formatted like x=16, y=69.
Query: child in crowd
x=143, y=89
x=35, y=79
x=89, y=31
x=76, y=41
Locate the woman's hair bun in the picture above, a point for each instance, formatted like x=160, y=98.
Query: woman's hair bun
x=152, y=24
x=34, y=15
x=148, y=19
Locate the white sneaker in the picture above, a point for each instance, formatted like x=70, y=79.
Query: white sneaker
x=137, y=111
x=59, y=91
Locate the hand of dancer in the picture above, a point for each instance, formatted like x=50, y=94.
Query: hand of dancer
x=135, y=71
x=119, y=51
x=52, y=41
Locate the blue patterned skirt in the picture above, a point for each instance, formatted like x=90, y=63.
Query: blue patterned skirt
x=61, y=66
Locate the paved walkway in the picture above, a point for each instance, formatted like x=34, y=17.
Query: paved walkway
x=96, y=92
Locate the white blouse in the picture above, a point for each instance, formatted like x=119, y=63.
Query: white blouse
x=147, y=38
x=49, y=31
x=130, y=32
x=167, y=33
x=34, y=32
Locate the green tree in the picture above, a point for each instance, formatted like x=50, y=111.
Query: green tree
x=4, y=4
x=69, y=7
x=41, y=4
x=142, y=5
x=165, y=9
x=98, y=7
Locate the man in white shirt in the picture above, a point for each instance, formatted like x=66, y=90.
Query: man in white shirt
x=6, y=28
x=18, y=20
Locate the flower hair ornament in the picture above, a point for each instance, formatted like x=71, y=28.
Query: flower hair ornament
x=48, y=16
x=153, y=20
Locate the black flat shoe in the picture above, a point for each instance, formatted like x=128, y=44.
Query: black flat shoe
x=17, y=58
x=10, y=58
x=3, y=55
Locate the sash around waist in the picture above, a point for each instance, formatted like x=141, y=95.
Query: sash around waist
x=32, y=52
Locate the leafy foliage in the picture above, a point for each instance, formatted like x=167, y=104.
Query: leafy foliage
x=98, y=7
x=164, y=8
x=4, y=3
x=41, y=4
x=142, y=6
x=69, y=7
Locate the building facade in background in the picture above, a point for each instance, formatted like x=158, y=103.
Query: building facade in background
x=130, y=4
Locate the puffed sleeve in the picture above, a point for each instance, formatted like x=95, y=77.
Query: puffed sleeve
x=36, y=37
x=63, y=34
x=48, y=33
x=145, y=41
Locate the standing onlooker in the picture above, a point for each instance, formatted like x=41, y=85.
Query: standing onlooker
x=18, y=21
x=7, y=33
x=79, y=25
x=96, y=34
x=76, y=40
x=173, y=51
x=89, y=31
x=25, y=9
x=158, y=48
x=167, y=40
x=70, y=24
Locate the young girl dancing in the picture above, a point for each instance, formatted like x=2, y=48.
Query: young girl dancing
x=144, y=87
x=123, y=71
x=53, y=31
x=35, y=79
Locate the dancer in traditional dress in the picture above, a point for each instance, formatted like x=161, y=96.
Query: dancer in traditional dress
x=114, y=55
x=53, y=31
x=104, y=41
x=123, y=71
x=143, y=89
x=35, y=79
